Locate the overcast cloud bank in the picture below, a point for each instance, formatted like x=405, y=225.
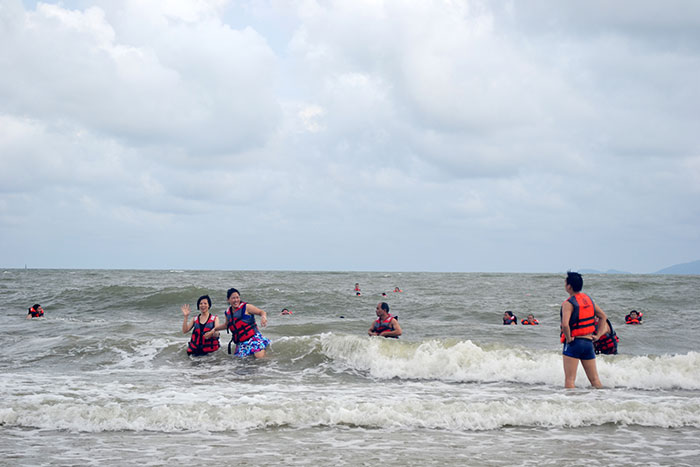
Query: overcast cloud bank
x=349, y=135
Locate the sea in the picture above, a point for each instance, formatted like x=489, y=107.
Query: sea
x=104, y=378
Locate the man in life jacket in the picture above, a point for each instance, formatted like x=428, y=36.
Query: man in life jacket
x=36, y=311
x=386, y=325
x=530, y=321
x=509, y=318
x=201, y=325
x=578, y=314
x=607, y=344
x=634, y=317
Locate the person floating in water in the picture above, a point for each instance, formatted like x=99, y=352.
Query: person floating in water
x=36, y=311
x=529, y=321
x=386, y=325
x=396, y=289
x=202, y=324
x=285, y=311
x=240, y=321
x=579, y=333
x=509, y=318
x=634, y=317
x=357, y=287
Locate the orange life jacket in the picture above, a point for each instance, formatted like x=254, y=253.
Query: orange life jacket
x=582, y=320
x=36, y=313
x=533, y=323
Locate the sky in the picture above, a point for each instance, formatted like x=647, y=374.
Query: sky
x=357, y=135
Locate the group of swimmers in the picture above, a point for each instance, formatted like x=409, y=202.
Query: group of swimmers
x=358, y=292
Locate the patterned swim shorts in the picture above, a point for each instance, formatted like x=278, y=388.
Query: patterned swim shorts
x=252, y=346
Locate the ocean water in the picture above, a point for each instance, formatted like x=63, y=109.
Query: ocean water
x=104, y=378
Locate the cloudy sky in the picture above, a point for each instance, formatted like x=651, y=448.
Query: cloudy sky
x=394, y=135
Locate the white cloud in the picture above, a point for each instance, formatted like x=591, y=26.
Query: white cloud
x=350, y=135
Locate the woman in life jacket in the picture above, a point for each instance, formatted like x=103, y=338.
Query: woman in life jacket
x=634, y=317
x=36, y=311
x=607, y=343
x=386, y=324
x=204, y=323
x=240, y=322
x=509, y=318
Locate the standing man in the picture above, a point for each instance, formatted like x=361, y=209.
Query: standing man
x=386, y=325
x=578, y=331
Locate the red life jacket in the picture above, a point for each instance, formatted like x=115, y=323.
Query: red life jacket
x=241, y=326
x=582, y=321
x=36, y=313
x=381, y=326
x=198, y=344
x=510, y=320
x=526, y=322
x=629, y=320
x=607, y=344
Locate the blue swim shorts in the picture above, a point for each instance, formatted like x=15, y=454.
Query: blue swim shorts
x=579, y=348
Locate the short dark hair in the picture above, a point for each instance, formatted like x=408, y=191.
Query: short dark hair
x=384, y=306
x=575, y=280
x=204, y=297
x=230, y=292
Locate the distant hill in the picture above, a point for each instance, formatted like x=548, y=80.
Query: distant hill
x=684, y=268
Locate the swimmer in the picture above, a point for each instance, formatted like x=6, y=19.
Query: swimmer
x=386, y=325
x=36, y=311
x=530, y=321
x=509, y=318
x=633, y=318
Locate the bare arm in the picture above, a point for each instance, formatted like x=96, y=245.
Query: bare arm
x=395, y=329
x=254, y=310
x=371, y=331
x=214, y=332
x=566, y=309
x=186, y=323
x=603, y=320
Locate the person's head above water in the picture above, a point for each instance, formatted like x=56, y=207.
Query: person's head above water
x=204, y=297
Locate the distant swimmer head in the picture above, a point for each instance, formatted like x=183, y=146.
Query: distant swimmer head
x=204, y=298
x=36, y=306
x=575, y=280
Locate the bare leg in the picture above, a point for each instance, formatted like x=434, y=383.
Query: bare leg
x=260, y=354
x=592, y=372
x=570, y=367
